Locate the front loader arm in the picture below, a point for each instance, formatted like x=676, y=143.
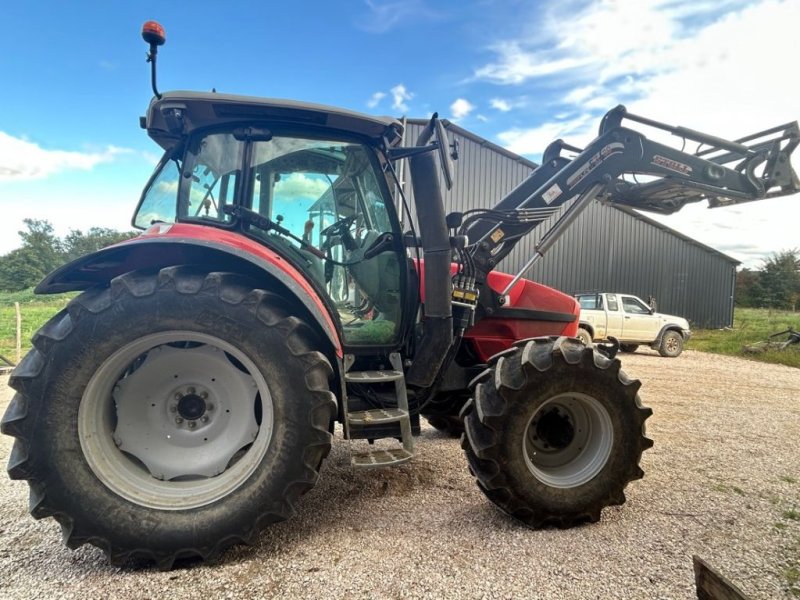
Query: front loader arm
x=721, y=172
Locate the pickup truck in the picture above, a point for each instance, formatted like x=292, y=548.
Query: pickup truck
x=631, y=321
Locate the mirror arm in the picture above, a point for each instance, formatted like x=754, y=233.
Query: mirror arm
x=398, y=153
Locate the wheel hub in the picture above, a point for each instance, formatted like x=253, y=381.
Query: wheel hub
x=568, y=440
x=191, y=430
x=192, y=406
x=554, y=429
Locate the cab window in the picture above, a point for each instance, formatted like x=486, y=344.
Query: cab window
x=613, y=305
x=158, y=203
x=634, y=306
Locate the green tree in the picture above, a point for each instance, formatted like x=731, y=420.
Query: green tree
x=42, y=243
x=780, y=280
x=42, y=251
x=748, y=288
x=20, y=269
x=77, y=244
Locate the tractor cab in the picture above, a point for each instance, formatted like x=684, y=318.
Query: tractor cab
x=306, y=181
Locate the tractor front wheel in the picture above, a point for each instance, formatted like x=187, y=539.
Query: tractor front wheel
x=170, y=415
x=555, y=432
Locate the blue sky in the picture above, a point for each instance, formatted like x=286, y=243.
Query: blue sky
x=517, y=73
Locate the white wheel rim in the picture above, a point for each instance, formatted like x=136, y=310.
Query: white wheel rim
x=568, y=441
x=169, y=421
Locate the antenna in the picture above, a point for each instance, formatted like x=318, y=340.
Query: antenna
x=153, y=34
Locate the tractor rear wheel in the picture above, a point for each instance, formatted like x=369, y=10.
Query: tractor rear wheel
x=555, y=432
x=170, y=415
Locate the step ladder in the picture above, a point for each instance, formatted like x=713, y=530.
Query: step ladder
x=380, y=457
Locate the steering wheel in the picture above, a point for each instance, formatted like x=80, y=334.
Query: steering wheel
x=341, y=229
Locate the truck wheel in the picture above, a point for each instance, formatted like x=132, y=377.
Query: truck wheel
x=628, y=347
x=671, y=344
x=584, y=336
x=555, y=433
x=170, y=415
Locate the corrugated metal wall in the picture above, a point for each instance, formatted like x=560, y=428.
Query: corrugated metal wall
x=607, y=248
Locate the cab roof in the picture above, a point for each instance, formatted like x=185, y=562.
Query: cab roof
x=178, y=113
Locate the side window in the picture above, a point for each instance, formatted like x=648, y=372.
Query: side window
x=634, y=306
x=613, y=305
x=216, y=163
x=591, y=301
x=160, y=199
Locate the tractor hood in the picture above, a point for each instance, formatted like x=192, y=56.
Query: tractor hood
x=176, y=114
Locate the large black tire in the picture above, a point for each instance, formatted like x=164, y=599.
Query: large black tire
x=555, y=432
x=444, y=413
x=628, y=347
x=671, y=344
x=451, y=425
x=244, y=376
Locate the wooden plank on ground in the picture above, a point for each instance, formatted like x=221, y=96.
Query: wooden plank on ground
x=713, y=586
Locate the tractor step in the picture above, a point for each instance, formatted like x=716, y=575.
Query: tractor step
x=377, y=416
x=373, y=376
x=373, y=459
x=371, y=423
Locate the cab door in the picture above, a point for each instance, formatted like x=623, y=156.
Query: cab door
x=639, y=324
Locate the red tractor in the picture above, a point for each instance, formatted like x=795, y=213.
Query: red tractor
x=188, y=396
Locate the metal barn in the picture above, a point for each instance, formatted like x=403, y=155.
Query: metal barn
x=608, y=248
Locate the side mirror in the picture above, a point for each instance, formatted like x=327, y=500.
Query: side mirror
x=445, y=158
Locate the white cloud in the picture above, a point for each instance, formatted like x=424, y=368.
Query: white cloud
x=298, y=186
x=375, y=99
x=21, y=159
x=516, y=65
x=461, y=108
x=400, y=95
x=716, y=67
x=576, y=131
x=500, y=104
x=382, y=16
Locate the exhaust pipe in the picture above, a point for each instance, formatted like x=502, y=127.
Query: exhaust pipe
x=437, y=336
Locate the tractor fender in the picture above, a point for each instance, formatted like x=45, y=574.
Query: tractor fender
x=217, y=250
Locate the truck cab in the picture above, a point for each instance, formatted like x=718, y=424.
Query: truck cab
x=632, y=321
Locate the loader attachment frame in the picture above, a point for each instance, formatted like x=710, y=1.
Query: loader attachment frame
x=622, y=166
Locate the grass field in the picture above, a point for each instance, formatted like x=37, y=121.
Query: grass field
x=35, y=310
x=750, y=326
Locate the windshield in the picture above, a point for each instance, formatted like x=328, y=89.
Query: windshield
x=318, y=202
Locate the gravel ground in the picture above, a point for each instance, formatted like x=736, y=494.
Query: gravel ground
x=723, y=482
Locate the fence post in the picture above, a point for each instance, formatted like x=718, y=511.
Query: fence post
x=19, y=332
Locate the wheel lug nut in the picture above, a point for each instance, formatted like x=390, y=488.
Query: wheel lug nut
x=209, y=406
x=190, y=390
x=204, y=419
x=192, y=424
x=173, y=408
x=178, y=396
x=204, y=395
x=179, y=420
